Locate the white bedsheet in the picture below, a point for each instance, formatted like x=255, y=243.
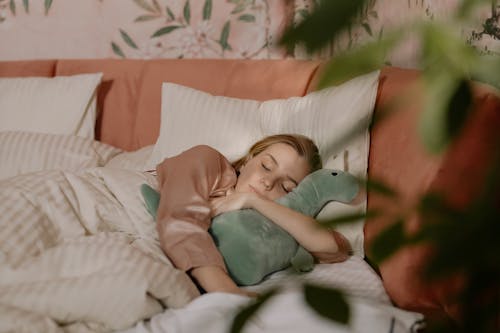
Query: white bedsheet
x=371, y=310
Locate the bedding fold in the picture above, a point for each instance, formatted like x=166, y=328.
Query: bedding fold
x=80, y=250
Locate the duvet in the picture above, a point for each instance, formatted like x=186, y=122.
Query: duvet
x=79, y=252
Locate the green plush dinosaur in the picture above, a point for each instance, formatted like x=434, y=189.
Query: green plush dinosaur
x=252, y=245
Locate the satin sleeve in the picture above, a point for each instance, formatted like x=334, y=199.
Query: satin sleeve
x=343, y=253
x=187, y=181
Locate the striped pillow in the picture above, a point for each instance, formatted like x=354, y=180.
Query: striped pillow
x=57, y=105
x=23, y=152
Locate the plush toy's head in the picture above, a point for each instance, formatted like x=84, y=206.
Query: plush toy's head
x=319, y=188
x=252, y=245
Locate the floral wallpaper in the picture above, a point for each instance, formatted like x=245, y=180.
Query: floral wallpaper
x=38, y=29
x=142, y=28
x=379, y=16
x=206, y=29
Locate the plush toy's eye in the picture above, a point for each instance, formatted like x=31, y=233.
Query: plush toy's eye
x=334, y=173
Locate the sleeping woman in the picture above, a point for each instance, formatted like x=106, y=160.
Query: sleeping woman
x=211, y=185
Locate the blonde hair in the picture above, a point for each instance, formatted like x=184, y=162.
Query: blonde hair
x=304, y=146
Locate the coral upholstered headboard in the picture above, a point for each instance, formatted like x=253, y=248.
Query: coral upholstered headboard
x=130, y=95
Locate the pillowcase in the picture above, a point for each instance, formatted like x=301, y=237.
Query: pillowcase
x=137, y=160
x=190, y=117
x=23, y=152
x=57, y=105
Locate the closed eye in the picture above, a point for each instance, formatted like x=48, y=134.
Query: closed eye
x=265, y=167
x=287, y=187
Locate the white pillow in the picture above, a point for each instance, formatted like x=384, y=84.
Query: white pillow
x=57, y=105
x=190, y=117
x=137, y=160
x=23, y=152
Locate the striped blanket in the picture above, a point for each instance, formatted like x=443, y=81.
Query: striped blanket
x=80, y=253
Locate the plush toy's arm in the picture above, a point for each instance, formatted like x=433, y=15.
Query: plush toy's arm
x=302, y=261
x=151, y=198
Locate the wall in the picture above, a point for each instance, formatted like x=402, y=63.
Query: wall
x=43, y=29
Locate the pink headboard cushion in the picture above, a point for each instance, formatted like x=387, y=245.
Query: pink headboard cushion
x=117, y=96
x=44, y=68
x=251, y=79
x=398, y=159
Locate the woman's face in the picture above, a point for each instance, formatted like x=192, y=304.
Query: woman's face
x=273, y=173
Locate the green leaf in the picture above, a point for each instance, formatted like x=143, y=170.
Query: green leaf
x=247, y=18
x=467, y=6
x=48, y=4
x=117, y=50
x=12, y=7
x=170, y=14
x=26, y=4
x=244, y=315
x=187, y=12
x=447, y=105
x=224, y=36
x=128, y=40
x=433, y=203
x=207, y=10
x=487, y=69
x=144, y=5
x=380, y=188
x=143, y=18
x=367, y=28
x=157, y=6
x=239, y=9
x=459, y=108
x=444, y=50
x=381, y=34
x=324, y=24
x=388, y=241
x=350, y=218
x=165, y=30
x=303, y=13
x=355, y=62
x=329, y=303
x=432, y=123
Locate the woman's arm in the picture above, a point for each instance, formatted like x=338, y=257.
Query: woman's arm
x=187, y=181
x=305, y=229
x=214, y=278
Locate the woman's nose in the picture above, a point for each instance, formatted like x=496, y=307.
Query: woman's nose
x=268, y=183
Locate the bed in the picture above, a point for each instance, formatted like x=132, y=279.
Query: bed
x=79, y=250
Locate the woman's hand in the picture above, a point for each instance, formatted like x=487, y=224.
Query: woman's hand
x=232, y=201
x=214, y=279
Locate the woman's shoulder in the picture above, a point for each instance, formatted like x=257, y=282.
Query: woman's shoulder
x=204, y=151
x=212, y=161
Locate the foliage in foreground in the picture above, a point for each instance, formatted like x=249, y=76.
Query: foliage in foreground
x=466, y=240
